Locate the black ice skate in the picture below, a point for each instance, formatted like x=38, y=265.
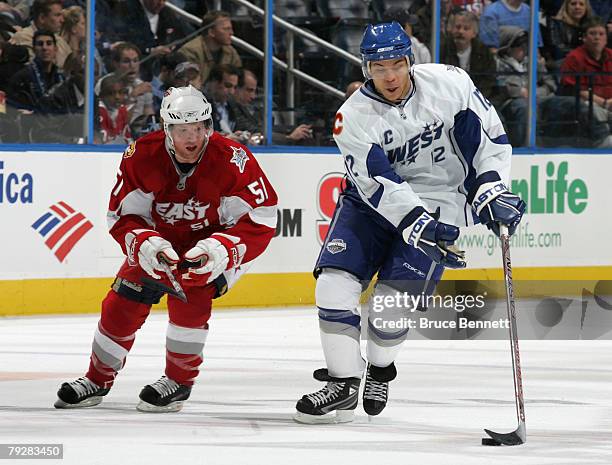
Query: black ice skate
x=340, y=395
x=164, y=395
x=79, y=393
x=376, y=389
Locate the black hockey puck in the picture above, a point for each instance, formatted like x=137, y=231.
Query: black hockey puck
x=490, y=442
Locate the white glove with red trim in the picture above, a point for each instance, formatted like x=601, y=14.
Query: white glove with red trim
x=146, y=248
x=214, y=255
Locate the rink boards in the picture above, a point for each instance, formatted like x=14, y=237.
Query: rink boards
x=58, y=256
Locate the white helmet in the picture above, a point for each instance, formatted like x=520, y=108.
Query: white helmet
x=182, y=105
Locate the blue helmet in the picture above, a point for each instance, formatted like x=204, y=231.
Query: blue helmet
x=384, y=41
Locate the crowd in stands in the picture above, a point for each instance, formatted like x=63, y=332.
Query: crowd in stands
x=143, y=47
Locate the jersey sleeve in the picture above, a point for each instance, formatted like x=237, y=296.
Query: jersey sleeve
x=368, y=168
x=480, y=140
x=248, y=211
x=130, y=201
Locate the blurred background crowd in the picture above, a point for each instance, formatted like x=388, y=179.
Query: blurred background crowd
x=142, y=47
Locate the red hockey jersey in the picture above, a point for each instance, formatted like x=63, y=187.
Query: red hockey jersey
x=226, y=192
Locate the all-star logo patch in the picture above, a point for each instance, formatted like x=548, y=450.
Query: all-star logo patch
x=336, y=246
x=239, y=158
x=452, y=68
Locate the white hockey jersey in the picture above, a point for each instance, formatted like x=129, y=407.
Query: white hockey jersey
x=432, y=150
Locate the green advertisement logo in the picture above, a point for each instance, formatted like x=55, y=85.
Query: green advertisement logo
x=553, y=192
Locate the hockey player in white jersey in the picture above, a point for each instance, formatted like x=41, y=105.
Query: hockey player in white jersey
x=425, y=153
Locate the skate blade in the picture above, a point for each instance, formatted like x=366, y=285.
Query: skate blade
x=341, y=416
x=91, y=402
x=150, y=408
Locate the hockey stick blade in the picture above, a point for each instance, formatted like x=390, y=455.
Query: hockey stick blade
x=156, y=285
x=515, y=438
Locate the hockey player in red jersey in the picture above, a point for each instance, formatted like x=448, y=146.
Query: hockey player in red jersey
x=189, y=199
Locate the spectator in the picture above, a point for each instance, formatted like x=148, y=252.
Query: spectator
x=113, y=111
x=503, y=13
x=46, y=15
x=73, y=29
x=352, y=88
x=18, y=11
x=221, y=84
x=249, y=119
x=106, y=37
x=68, y=97
x=592, y=57
x=242, y=104
x=126, y=65
x=421, y=8
x=213, y=46
x=13, y=58
x=65, y=102
x=512, y=67
x=150, y=25
x=8, y=27
x=186, y=74
x=407, y=20
x=165, y=78
x=566, y=28
x=473, y=6
x=28, y=86
x=465, y=50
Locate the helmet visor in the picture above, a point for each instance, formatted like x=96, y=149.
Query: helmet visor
x=190, y=129
x=387, y=69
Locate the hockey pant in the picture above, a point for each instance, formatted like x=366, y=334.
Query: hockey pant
x=337, y=299
x=125, y=309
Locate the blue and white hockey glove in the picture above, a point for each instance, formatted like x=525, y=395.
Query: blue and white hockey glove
x=495, y=204
x=422, y=230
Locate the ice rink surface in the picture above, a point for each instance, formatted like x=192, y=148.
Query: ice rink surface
x=259, y=362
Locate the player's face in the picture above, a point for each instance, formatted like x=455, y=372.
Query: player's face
x=391, y=78
x=189, y=139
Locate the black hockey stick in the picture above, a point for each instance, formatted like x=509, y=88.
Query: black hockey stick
x=518, y=436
